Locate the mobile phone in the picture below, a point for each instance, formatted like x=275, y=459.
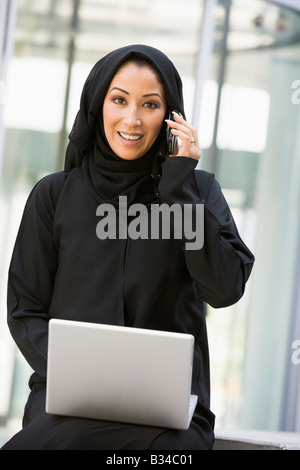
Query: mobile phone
x=171, y=139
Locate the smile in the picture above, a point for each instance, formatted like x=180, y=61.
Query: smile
x=131, y=136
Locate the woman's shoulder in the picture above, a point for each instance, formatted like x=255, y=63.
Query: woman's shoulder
x=48, y=188
x=205, y=180
x=204, y=175
x=52, y=180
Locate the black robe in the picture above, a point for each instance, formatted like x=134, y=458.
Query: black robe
x=141, y=283
x=61, y=269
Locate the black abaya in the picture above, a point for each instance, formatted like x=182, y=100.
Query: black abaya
x=66, y=433
x=61, y=269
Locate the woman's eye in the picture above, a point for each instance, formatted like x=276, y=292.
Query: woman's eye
x=119, y=100
x=151, y=105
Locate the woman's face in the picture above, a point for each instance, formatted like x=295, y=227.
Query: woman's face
x=133, y=111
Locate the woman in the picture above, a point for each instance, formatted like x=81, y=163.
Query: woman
x=61, y=269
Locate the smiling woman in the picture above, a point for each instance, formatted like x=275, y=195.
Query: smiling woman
x=133, y=110
x=60, y=268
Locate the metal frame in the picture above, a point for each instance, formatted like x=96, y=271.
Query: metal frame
x=8, y=14
x=8, y=10
x=70, y=59
x=206, y=41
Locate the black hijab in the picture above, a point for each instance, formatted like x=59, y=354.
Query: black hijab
x=110, y=175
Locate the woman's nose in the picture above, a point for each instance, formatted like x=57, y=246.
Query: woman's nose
x=131, y=117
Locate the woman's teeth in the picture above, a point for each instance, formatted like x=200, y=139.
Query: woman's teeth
x=130, y=137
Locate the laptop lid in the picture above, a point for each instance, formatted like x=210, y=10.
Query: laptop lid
x=119, y=373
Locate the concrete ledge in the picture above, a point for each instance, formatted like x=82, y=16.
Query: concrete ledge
x=226, y=439
x=242, y=439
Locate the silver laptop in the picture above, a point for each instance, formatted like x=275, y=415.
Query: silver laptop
x=118, y=373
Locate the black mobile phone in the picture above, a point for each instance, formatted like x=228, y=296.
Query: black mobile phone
x=171, y=139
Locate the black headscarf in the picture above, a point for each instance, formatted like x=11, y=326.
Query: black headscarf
x=110, y=175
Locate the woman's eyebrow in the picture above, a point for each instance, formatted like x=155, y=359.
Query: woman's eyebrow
x=126, y=92
x=120, y=89
x=152, y=94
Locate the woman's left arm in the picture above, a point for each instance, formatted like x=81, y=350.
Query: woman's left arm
x=222, y=266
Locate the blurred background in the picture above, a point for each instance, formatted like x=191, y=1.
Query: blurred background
x=240, y=64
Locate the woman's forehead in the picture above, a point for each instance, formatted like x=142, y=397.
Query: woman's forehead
x=134, y=73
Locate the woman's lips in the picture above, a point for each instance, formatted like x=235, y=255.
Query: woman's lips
x=130, y=137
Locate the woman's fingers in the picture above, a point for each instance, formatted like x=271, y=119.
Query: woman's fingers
x=188, y=136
